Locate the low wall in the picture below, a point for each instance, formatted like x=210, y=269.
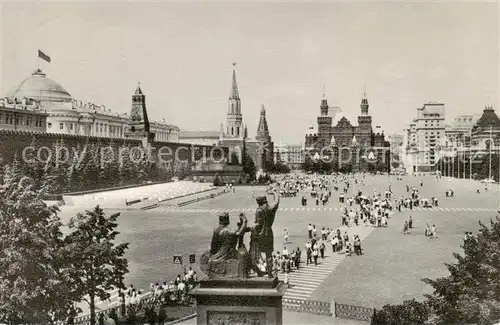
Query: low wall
x=333, y=309
x=179, y=201
x=115, y=188
x=125, y=197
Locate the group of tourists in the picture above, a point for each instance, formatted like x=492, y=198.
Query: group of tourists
x=173, y=293
x=357, y=210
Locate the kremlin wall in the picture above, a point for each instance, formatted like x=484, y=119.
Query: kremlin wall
x=86, y=146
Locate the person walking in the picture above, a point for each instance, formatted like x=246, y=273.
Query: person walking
x=309, y=255
x=309, y=231
x=357, y=245
x=297, y=258
x=433, y=231
x=315, y=255
x=322, y=250
x=335, y=242
x=410, y=223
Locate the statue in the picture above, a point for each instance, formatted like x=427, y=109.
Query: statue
x=224, y=240
x=261, y=234
x=228, y=256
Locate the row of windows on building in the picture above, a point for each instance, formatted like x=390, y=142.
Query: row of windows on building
x=16, y=119
x=164, y=136
x=431, y=123
x=100, y=128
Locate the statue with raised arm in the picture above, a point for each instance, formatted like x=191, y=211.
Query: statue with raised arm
x=261, y=233
x=227, y=256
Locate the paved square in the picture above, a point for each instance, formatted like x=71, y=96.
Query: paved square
x=388, y=272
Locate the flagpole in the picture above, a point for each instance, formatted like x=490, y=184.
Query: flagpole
x=453, y=162
x=463, y=163
x=37, y=62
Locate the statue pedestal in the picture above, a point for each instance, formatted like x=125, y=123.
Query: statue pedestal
x=249, y=301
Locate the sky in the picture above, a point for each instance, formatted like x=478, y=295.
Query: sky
x=403, y=54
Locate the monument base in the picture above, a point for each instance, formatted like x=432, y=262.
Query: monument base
x=250, y=301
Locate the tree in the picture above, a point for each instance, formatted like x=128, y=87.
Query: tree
x=34, y=162
x=108, y=169
x=471, y=293
x=234, y=159
x=249, y=167
x=409, y=313
x=308, y=163
x=97, y=262
x=90, y=175
x=34, y=277
x=218, y=180
x=280, y=168
x=126, y=166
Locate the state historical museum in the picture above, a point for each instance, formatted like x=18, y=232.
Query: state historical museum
x=348, y=147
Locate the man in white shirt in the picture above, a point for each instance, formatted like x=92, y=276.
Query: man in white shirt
x=181, y=286
x=335, y=242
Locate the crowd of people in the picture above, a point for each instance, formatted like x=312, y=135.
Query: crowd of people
x=173, y=293
x=356, y=210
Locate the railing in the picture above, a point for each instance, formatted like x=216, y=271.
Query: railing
x=308, y=306
x=353, y=312
x=328, y=309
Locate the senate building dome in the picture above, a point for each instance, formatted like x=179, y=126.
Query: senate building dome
x=40, y=88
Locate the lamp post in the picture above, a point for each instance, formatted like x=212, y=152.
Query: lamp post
x=470, y=155
x=453, y=160
x=491, y=144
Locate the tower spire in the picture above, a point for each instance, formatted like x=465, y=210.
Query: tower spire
x=234, y=119
x=234, y=87
x=262, y=129
x=364, y=103
x=324, y=103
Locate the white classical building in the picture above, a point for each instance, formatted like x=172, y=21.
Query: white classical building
x=67, y=115
x=22, y=115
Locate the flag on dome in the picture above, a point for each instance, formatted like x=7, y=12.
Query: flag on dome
x=43, y=56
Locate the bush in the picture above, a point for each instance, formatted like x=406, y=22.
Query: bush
x=218, y=180
x=162, y=316
x=410, y=312
x=113, y=315
x=150, y=316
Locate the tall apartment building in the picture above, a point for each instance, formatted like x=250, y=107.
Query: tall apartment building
x=425, y=138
